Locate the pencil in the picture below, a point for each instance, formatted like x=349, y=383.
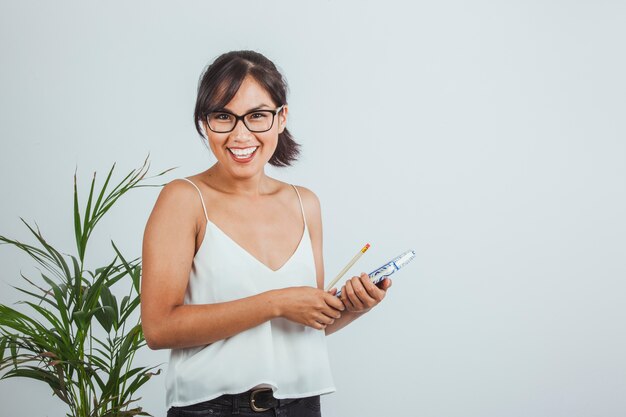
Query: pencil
x=345, y=269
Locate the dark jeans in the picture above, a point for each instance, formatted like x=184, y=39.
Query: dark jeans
x=228, y=405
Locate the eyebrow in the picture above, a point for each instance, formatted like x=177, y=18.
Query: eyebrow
x=259, y=107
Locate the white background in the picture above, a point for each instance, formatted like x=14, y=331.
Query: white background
x=488, y=136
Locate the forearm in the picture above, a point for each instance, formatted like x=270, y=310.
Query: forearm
x=346, y=318
x=201, y=324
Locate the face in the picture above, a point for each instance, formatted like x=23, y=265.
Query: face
x=243, y=154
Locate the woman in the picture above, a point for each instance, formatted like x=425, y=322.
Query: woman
x=233, y=274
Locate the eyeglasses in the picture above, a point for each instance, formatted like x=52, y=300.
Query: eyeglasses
x=256, y=121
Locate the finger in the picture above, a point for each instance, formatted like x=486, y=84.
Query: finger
x=323, y=319
x=319, y=326
x=332, y=291
x=373, y=291
x=328, y=320
x=331, y=312
x=345, y=300
x=351, y=293
x=358, y=285
x=334, y=302
x=384, y=284
x=334, y=314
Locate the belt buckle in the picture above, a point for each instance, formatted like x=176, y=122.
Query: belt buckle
x=253, y=400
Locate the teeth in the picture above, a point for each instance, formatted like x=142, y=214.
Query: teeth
x=243, y=153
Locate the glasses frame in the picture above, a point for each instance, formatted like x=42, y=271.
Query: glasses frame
x=243, y=120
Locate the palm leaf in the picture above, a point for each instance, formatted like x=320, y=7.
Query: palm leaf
x=54, y=254
x=35, y=373
x=55, y=342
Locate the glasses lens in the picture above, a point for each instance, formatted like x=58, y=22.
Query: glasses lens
x=221, y=122
x=259, y=121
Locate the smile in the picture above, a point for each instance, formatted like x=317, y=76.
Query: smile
x=243, y=154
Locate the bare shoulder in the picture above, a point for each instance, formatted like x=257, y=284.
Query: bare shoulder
x=177, y=190
x=310, y=201
x=308, y=196
x=178, y=200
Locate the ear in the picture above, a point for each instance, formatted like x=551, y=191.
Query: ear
x=282, y=119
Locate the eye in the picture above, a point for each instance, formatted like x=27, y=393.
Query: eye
x=222, y=116
x=258, y=115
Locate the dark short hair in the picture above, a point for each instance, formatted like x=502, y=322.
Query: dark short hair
x=220, y=81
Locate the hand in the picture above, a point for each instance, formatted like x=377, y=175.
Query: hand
x=309, y=306
x=359, y=295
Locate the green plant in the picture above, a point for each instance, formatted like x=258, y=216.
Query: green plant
x=89, y=367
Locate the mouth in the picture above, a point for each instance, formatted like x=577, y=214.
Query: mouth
x=243, y=154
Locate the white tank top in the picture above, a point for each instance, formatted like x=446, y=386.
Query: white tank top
x=290, y=358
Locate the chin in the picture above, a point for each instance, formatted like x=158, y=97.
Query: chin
x=244, y=171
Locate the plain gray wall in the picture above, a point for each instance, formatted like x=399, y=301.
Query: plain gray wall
x=488, y=136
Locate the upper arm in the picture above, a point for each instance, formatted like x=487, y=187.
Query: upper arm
x=168, y=250
x=313, y=212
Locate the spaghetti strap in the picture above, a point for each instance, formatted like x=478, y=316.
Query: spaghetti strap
x=301, y=205
x=201, y=199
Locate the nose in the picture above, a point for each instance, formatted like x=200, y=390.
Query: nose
x=241, y=132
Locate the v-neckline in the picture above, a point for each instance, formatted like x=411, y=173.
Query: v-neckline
x=236, y=244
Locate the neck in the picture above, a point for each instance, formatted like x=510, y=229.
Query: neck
x=225, y=182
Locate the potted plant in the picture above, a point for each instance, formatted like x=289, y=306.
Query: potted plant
x=73, y=332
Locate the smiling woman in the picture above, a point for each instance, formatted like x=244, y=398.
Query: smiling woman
x=223, y=79
x=233, y=274
x=252, y=143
